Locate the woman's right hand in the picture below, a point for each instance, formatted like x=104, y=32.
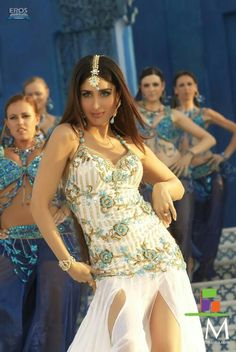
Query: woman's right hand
x=82, y=272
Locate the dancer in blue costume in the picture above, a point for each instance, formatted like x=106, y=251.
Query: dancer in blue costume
x=209, y=173
x=37, y=88
x=165, y=128
x=142, y=291
x=39, y=304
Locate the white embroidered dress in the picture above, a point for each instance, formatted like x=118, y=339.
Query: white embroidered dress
x=133, y=252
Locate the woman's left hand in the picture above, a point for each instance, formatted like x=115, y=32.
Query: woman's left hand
x=163, y=204
x=181, y=166
x=61, y=214
x=216, y=160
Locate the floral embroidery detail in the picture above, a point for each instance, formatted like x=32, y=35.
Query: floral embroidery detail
x=120, y=230
x=150, y=254
x=106, y=203
x=106, y=256
x=72, y=193
x=82, y=155
x=146, y=207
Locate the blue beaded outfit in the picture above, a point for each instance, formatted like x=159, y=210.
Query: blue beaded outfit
x=131, y=250
x=210, y=193
x=166, y=130
x=39, y=303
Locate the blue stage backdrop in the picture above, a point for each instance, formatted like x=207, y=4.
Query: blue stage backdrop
x=193, y=34
x=199, y=36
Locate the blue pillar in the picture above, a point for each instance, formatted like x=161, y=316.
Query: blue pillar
x=96, y=27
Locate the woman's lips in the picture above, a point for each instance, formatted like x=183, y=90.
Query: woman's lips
x=97, y=114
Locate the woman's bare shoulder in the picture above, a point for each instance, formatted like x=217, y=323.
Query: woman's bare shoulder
x=135, y=149
x=66, y=131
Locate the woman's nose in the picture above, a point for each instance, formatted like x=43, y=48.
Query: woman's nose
x=20, y=120
x=96, y=103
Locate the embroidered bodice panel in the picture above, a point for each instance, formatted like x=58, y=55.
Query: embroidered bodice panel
x=164, y=129
x=12, y=174
x=122, y=232
x=12, y=179
x=198, y=118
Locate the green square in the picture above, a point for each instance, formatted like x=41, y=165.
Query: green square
x=209, y=292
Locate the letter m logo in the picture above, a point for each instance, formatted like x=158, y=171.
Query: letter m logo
x=224, y=325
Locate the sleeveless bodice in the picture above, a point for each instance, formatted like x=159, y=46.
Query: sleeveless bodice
x=122, y=232
x=198, y=118
x=11, y=173
x=165, y=128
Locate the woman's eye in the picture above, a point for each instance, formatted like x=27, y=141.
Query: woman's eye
x=155, y=84
x=105, y=93
x=85, y=94
x=25, y=116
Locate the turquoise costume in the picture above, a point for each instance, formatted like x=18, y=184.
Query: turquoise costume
x=210, y=192
x=39, y=303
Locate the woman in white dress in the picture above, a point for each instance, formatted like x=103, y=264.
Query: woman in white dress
x=142, y=291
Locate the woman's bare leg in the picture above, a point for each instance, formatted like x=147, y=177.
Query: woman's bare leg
x=164, y=329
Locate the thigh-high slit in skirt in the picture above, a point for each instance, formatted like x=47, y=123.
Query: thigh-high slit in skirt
x=130, y=331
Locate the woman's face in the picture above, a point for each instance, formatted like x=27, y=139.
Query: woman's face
x=22, y=120
x=98, y=105
x=152, y=88
x=39, y=92
x=185, y=88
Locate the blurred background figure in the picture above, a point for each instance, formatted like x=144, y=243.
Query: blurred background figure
x=39, y=303
x=209, y=173
x=37, y=88
x=165, y=128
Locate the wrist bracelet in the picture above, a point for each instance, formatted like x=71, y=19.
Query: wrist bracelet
x=65, y=264
x=190, y=152
x=224, y=156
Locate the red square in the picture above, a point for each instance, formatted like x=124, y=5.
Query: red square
x=215, y=306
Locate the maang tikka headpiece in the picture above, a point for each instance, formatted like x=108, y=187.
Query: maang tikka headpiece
x=94, y=79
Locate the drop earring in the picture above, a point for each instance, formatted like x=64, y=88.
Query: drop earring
x=112, y=120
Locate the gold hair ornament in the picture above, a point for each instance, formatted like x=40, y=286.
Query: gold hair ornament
x=94, y=79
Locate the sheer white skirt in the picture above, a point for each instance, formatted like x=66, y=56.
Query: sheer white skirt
x=130, y=332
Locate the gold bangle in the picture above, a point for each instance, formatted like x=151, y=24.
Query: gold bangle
x=65, y=264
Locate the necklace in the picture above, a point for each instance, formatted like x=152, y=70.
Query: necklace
x=152, y=115
x=24, y=153
x=108, y=143
x=190, y=113
x=155, y=111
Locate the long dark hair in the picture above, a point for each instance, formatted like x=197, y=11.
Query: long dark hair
x=127, y=114
x=147, y=71
x=174, y=99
